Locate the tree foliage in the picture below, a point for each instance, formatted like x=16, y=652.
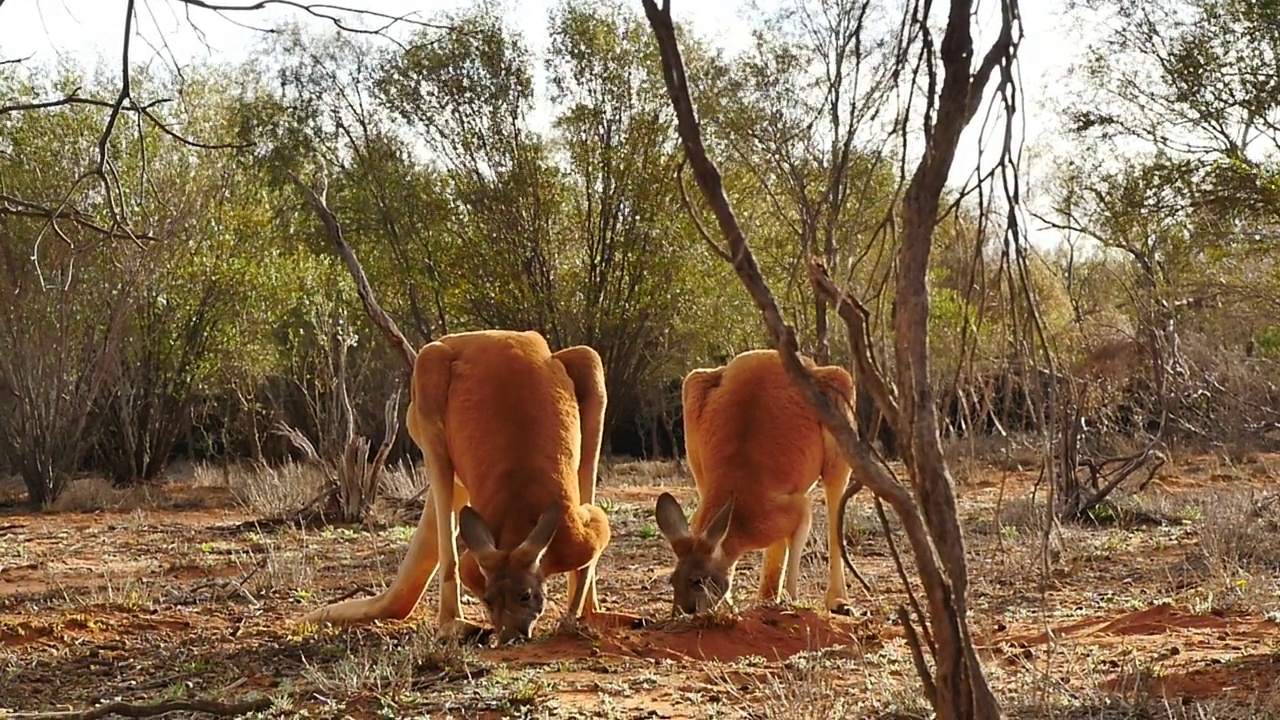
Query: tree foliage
x=1179, y=191
x=477, y=195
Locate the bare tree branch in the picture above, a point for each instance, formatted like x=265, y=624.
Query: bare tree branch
x=15, y=206
x=74, y=98
x=379, y=317
x=693, y=215
x=129, y=107
x=324, y=11
x=125, y=90
x=855, y=315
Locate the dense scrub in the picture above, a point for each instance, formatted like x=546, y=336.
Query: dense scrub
x=197, y=308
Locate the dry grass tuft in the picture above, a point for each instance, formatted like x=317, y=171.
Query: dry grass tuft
x=836, y=683
x=129, y=592
x=1241, y=527
x=403, y=482
x=269, y=492
x=275, y=565
x=209, y=475
x=720, y=616
x=419, y=672
x=645, y=472
x=391, y=666
x=976, y=456
x=1240, y=545
x=97, y=494
x=811, y=681
x=91, y=495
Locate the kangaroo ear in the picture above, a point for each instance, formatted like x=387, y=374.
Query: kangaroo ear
x=671, y=520
x=477, y=536
x=719, y=526
x=535, y=546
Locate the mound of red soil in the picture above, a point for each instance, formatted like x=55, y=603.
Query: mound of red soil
x=1248, y=675
x=1199, y=656
x=1159, y=619
x=769, y=632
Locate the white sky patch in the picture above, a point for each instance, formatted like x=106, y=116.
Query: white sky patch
x=89, y=32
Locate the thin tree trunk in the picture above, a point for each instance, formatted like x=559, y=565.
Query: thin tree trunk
x=956, y=687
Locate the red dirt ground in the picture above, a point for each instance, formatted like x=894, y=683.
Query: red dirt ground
x=1214, y=655
x=164, y=603
x=772, y=633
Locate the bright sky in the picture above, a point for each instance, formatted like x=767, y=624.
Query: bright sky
x=90, y=31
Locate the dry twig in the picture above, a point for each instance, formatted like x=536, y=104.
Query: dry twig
x=131, y=710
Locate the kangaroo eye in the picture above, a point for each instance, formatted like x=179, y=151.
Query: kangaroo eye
x=698, y=582
x=526, y=597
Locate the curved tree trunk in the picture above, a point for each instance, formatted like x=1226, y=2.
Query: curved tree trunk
x=955, y=686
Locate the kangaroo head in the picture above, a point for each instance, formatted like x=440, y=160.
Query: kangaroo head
x=703, y=573
x=513, y=578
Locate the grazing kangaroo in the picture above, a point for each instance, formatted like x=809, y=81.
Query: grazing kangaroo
x=510, y=433
x=755, y=448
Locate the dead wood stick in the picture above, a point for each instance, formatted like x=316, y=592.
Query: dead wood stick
x=354, y=591
x=130, y=710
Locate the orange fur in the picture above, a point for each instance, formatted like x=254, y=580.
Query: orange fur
x=751, y=436
x=511, y=429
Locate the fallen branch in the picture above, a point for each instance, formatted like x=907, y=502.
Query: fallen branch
x=130, y=710
x=238, y=586
x=1128, y=466
x=354, y=591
